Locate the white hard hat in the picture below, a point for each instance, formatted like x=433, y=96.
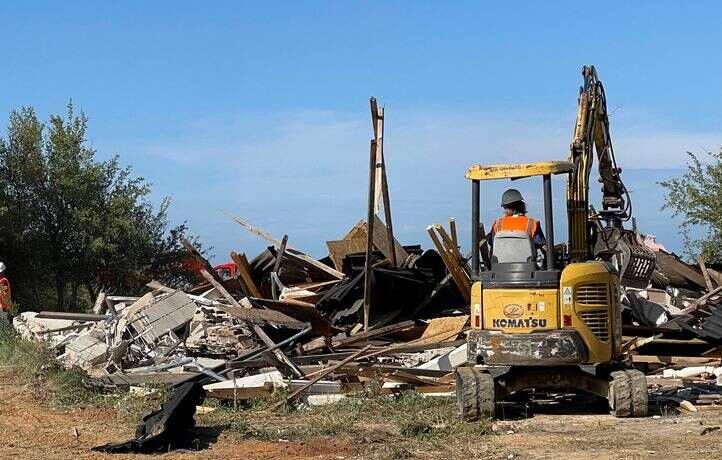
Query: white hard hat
x=2, y=267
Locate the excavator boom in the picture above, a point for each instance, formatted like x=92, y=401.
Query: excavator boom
x=601, y=234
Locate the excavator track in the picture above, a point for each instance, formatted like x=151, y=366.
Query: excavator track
x=628, y=394
x=475, y=394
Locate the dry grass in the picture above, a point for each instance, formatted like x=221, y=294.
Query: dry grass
x=403, y=426
x=34, y=365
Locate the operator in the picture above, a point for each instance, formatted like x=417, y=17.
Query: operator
x=515, y=219
x=5, y=291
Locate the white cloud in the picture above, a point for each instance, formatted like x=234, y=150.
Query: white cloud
x=308, y=140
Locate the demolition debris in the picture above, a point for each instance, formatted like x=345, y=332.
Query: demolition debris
x=373, y=312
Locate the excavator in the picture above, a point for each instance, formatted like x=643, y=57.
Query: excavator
x=552, y=321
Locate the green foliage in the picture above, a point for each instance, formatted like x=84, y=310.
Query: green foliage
x=71, y=224
x=696, y=196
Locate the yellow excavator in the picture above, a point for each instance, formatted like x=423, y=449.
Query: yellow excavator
x=552, y=322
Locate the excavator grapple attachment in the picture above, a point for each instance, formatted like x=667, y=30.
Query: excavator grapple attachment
x=634, y=261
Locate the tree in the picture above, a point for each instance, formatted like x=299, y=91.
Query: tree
x=70, y=223
x=696, y=196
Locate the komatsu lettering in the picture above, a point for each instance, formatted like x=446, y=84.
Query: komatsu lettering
x=519, y=322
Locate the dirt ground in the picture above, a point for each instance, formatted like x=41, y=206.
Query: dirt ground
x=31, y=429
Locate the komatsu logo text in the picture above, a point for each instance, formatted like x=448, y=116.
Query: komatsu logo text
x=513, y=310
x=519, y=322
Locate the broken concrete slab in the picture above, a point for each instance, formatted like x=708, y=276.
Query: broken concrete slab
x=157, y=318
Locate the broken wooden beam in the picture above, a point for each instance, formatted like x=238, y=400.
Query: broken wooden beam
x=320, y=376
x=452, y=231
x=279, y=254
x=377, y=119
x=245, y=275
x=257, y=329
x=291, y=252
x=452, y=265
x=368, y=274
x=705, y=273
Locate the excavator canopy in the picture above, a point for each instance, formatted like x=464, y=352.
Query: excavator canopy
x=519, y=170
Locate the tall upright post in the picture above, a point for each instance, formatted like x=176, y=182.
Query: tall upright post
x=377, y=119
x=549, y=220
x=475, y=228
x=368, y=275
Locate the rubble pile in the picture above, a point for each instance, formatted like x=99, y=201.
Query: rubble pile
x=271, y=321
x=673, y=330
x=373, y=313
x=286, y=320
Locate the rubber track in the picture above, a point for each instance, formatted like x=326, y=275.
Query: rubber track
x=475, y=394
x=620, y=394
x=640, y=397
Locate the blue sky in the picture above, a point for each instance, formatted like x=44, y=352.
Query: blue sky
x=261, y=108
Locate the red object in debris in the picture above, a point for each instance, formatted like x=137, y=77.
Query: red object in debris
x=6, y=293
x=567, y=320
x=226, y=271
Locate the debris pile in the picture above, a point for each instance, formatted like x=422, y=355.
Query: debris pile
x=673, y=330
x=372, y=314
x=282, y=310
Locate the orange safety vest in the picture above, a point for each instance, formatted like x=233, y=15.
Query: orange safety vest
x=516, y=223
x=5, y=293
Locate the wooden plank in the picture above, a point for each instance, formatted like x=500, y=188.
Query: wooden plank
x=301, y=311
x=413, y=348
x=638, y=342
x=157, y=378
x=156, y=286
x=72, y=316
x=707, y=279
x=373, y=333
x=339, y=249
x=100, y=307
x=257, y=329
x=368, y=275
x=265, y=316
x=452, y=230
x=390, y=240
x=320, y=376
x=701, y=301
x=302, y=360
x=279, y=254
x=381, y=242
x=443, y=329
x=453, y=250
x=674, y=360
x=377, y=119
x=462, y=282
x=359, y=368
x=680, y=274
x=244, y=273
x=291, y=252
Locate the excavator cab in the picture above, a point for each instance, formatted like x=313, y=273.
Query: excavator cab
x=541, y=326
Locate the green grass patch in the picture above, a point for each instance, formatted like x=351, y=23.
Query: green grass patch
x=34, y=365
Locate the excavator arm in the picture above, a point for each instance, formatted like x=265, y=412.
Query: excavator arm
x=601, y=235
